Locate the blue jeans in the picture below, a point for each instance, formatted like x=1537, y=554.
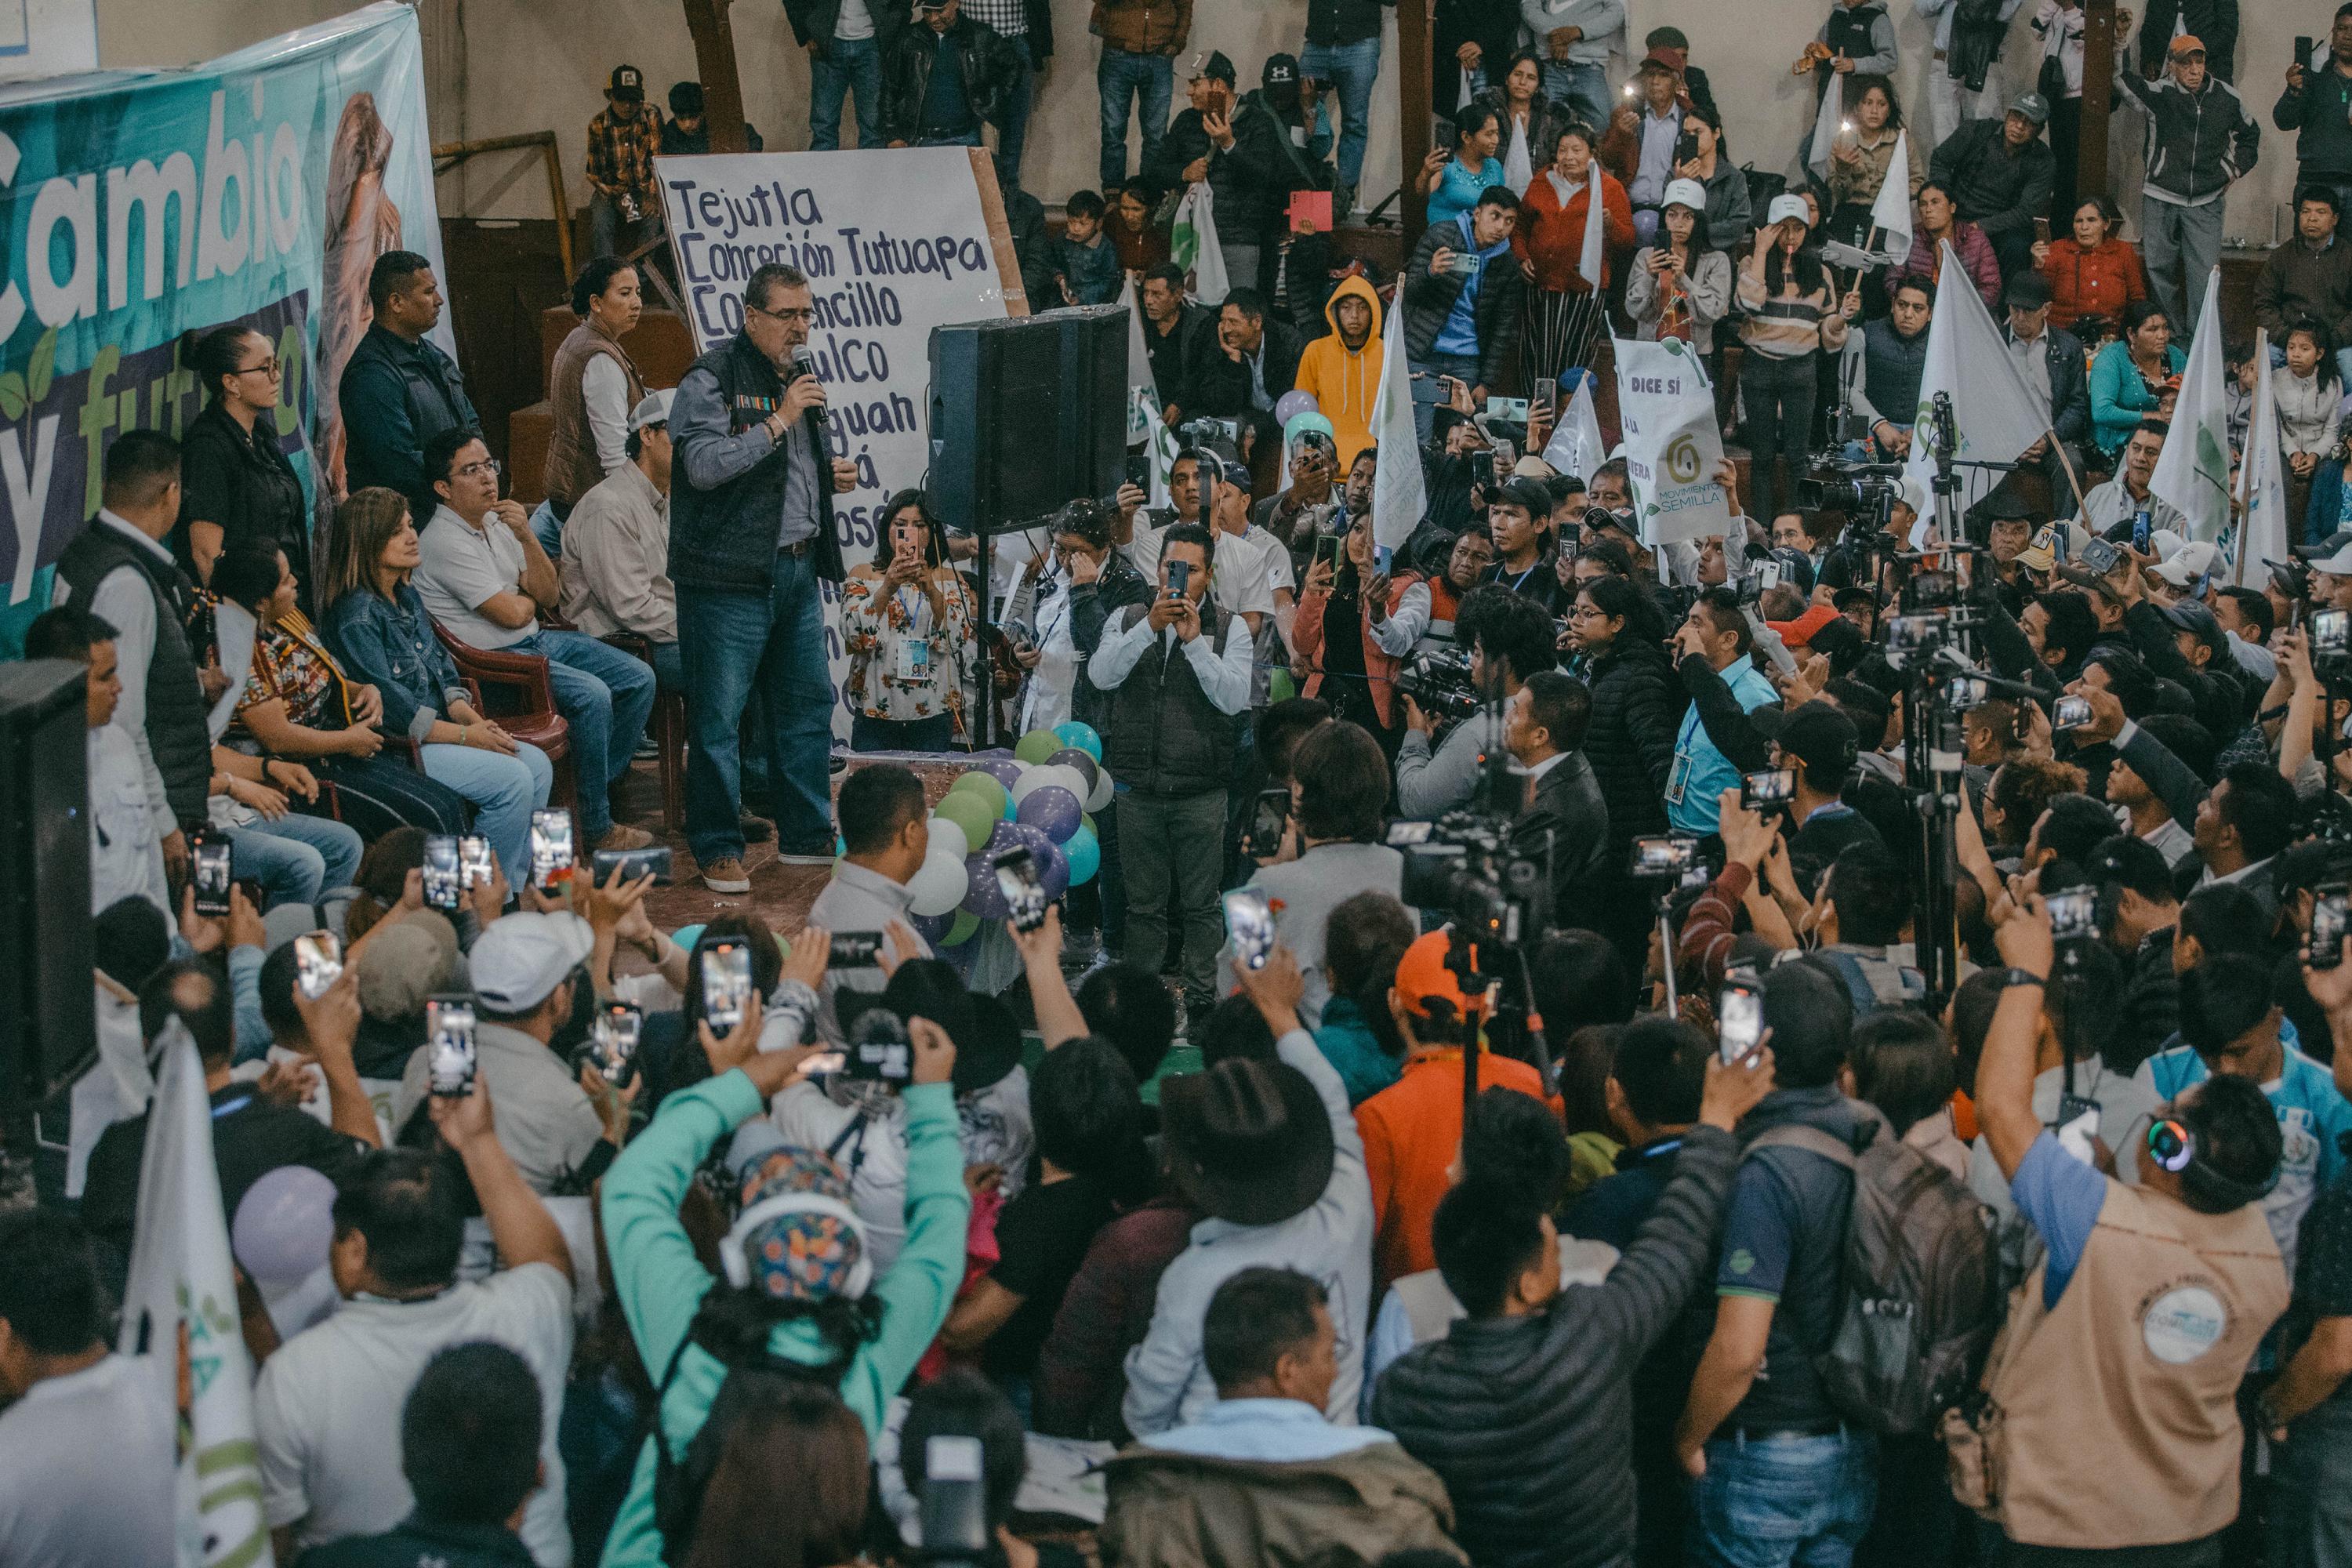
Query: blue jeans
x=960, y=139
x=605, y=695
x=1426, y=392
x=846, y=65
x=1584, y=88
x=1012, y=120
x=1122, y=77
x=1769, y=1503
x=1353, y=68
x=669, y=667
x=610, y=234
x=295, y=857
x=736, y=641
x=548, y=529
x=504, y=791
x=933, y=734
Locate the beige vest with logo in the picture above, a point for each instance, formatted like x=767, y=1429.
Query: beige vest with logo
x=2115, y=1417
x=572, y=469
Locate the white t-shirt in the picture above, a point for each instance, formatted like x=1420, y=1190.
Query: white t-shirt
x=994, y=1130
x=1247, y=568
x=327, y=1409
x=88, y=1471
x=464, y=568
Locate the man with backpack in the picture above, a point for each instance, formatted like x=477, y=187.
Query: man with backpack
x=2125, y=1348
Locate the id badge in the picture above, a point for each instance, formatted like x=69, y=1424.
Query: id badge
x=914, y=662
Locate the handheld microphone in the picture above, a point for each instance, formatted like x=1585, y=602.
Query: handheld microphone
x=804, y=364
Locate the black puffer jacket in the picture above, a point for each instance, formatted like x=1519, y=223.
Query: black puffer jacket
x=1636, y=709
x=1527, y=1418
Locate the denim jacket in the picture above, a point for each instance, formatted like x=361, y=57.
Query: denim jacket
x=390, y=643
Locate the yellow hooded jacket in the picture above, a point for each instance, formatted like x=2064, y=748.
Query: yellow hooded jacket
x=1345, y=382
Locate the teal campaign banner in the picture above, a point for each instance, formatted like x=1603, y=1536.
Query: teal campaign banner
x=138, y=207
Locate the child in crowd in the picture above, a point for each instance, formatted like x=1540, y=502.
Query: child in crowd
x=1086, y=263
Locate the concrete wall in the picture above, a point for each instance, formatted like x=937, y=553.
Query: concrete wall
x=500, y=67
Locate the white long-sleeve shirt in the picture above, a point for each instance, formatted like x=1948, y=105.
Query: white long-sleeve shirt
x=123, y=600
x=605, y=392
x=1330, y=1241
x=1401, y=631
x=1225, y=678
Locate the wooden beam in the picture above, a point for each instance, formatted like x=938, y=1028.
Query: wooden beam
x=1416, y=21
x=2098, y=94
x=722, y=85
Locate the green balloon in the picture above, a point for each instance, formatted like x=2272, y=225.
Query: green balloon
x=968, y=809
x=984, y=788
x=1280, y=688
x=1035, y=746
x=966, y=923
x=1087, y=821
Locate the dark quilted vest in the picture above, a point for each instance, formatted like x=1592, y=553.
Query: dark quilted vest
x=1166, y=738
x=176, y=731
x=724, y=539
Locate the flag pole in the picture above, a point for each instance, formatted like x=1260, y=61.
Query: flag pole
x=2058, y=448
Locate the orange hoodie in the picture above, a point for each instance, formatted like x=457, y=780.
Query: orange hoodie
x=1345, y=381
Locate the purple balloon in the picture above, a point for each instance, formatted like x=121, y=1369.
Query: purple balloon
x=1003, y=770
x=1054, y=870
x=982, y=896
x=933, y=928
x=1052, y=809
x=1077, y=757
x=1003, y=836
x=1032, y=838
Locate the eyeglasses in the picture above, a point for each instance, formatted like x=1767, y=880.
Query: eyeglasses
x=268, y=367
x=489, y=466
x=806, y=315
x=1586, y=613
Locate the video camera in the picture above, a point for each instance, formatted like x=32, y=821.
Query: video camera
x=1464, y=865
x=1857, y=489
x=1439, y=681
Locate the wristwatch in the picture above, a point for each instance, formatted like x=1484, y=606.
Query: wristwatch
x=2014, y=976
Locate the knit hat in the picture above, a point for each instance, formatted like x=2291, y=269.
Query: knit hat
x=796, y=1238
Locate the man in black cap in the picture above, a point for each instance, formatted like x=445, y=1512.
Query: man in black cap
x=1245, y=157
x=2056, y=370
x=1999, y=172
x=1821, y=745
x=624, y=200
x=942, y=79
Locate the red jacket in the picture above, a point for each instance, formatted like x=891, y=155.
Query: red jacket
x=1379, y=668
x=2100, y=282
x=1552, y=236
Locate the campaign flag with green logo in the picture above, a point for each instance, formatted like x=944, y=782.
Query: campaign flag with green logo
x=1666, y=405
x=2194, y=472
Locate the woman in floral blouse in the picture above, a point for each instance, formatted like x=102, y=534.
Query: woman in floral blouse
x=907, y=620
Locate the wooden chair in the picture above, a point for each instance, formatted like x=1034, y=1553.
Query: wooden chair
x=669, y=731
x=514, y=689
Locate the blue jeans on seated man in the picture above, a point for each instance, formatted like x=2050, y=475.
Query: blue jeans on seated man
x=1428, y=393
x=1584, y=88
x=1354, y=69
x=843, y=68
x=610, y=234
x=503, y=790
x=1769, y=1503
x=774, y=642
x=548, y=529
x=294, y=858
x=607, y=696
x=1122, y=78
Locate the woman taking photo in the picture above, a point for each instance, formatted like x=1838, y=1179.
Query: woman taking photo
x=1452, y=181
x=238, y=491
x=299, y=704
x=1682, y=287
x=1548, y=240
x=1940, y=223
x=1860, y=158
x=1728, y=210
x=2130, y=376
x=377, y=626
x=907, y=621
x=1350, y=633
x=1530, y=122
x=1792, y=319
x=2094, y=277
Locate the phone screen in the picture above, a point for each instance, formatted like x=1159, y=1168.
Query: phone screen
x=444, y=878
x=551, y=848
x=1024, y=888
x=449, y=1032
x=474, y=862
x=1770, y=787
x=1249, y=921
x=2074, y=913
x=212, y=876
x=2078, y=1129
x=613, y=1034
x=1268, y=822
x=2331, y=916
x=318, y=963
x=2070, y=713
x=1739, y=1022
x=725, y=985
x=855, y=950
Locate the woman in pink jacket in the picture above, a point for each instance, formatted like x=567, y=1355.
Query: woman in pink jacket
x=1939, y=222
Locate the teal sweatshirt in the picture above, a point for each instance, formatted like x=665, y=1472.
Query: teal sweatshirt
x=660, y=1285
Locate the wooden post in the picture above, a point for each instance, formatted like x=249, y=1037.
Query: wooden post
x=1416, y=21
x=2098, y=94
x=723, y=85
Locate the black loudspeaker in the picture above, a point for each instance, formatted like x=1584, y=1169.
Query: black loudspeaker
x=1026, y=413
x=48, y=1025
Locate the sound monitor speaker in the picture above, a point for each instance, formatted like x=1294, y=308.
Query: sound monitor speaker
x=48, y=1029
x=1093, y=450
x=1026, y=413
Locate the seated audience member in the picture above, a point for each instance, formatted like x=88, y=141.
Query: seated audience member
x=482, y=574
x=378, y=628
x=1270, y=1149
x=2195, y=1213
x=85, y=1433
x=615, y=571
x=126, y=856
x=2131, y=376
x=2094, y=273
x=1940, y=225
x=1262, y=1475
x=1882, y=362
x=1339, y=785
x=1086, y=262
x=257, y=1126
x=1539, y=1455
x=326, y=1409
x=1244, y=370
x=470, y=1432
x=2000, y=174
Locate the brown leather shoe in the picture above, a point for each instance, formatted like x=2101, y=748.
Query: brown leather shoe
x=622, y=837
x=726, y=874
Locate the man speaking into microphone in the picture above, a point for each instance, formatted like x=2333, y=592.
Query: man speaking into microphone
x=751, y=539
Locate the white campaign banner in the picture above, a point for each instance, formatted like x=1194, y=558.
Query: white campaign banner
x=895, y=242
x=1666, y=406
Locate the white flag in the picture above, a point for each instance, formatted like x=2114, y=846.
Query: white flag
x=179, y=1302
x=1992, y=417
x=1576, y=447
x=2263, y=533
x=1518, y=167
x=1159, y=442
x=1138, y=355
x=1192, y=245
x=1398, y=495
x=1825, y=127
x=1673, y=444
x=2194, y=472
x=1587, y=263
x=1891, y=213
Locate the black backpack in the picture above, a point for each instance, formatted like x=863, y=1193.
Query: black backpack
x=1921, y=1293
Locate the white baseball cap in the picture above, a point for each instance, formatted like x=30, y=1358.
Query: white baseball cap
x=2191, y=561
x=1686, y=194
x=651, y=409
x=1785, y=207
x=521, y=958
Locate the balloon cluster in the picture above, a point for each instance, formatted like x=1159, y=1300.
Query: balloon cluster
x=1036, y=799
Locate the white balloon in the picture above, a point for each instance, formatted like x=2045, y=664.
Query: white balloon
x=1102, y=790
x=1032, y=777
x=948, y=832
x=942, y=884
x=1058, y=773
